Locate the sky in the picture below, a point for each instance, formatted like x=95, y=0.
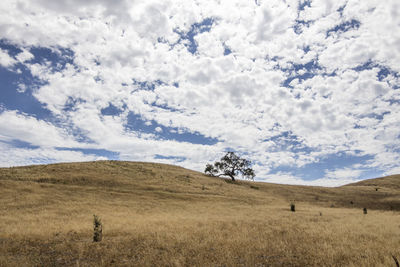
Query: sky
x=309, y=91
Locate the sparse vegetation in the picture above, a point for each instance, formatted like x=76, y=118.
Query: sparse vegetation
x=154, y=221
x=292, y=207
x=231, y=166
x=97, y=229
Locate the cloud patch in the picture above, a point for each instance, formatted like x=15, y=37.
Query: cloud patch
x=291, y=85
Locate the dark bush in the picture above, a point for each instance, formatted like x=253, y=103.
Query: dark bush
x=292, y=207
x=97, y=229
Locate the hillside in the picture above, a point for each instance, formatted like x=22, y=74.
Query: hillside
x=388, y=182
x=162, y=180
x=164, y=215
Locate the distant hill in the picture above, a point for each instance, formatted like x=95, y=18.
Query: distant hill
x=392, y=181
x=155, y=180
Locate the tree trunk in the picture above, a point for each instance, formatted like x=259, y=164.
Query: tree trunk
x=232, y=177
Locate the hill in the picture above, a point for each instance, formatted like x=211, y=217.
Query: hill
x=388, y=182
x=164, y=215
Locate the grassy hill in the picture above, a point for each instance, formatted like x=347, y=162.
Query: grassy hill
x=388, y=182
x=164, y=215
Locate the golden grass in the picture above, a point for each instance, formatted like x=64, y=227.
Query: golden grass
x=162, y=215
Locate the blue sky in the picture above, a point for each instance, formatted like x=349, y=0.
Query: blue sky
x=309, y=91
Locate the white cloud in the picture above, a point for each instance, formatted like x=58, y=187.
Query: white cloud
x=12, y=156
x=6, y=60
x=25, y=55
x=288, y=178
x=393, y=171
x=238, y=99
x=344, y=174
x=21, y=88
x=273, y=18
x=14, y=126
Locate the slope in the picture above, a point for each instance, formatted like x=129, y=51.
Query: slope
x=388, y=182
x=164, y=215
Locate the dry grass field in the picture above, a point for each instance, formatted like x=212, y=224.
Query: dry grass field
x=162, y=215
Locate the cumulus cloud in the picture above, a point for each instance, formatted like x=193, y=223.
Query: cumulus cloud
x=343, y=174
x=25, y=55
x=284, y=82
x=6, y=60
x=35, y=132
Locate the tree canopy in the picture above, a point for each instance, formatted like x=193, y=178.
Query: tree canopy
x=231, y=165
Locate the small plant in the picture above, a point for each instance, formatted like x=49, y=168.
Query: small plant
x=254, y=187
x=320, y=214
x=292, y=207
x=97, y=229
x=351, y=202
x=203, y=188
x=376, y=189
x=365, y=210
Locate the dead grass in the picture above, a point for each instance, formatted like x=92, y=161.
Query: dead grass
x=162, y=215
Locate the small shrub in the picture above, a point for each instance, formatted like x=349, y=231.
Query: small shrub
x=254, y=187
x=292, y=207
x=97, y=229
x=376, y=189
x=351, y=202
x=365, y=210
x=320, y=214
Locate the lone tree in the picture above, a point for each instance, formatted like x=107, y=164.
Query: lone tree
x=231, y=165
